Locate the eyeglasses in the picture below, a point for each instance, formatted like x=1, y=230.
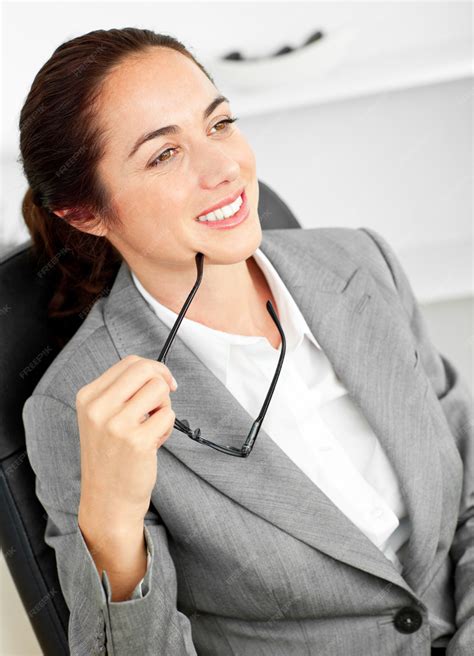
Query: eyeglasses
x=183, y=424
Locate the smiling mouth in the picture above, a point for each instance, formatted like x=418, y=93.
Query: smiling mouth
x=240, y=213
x=224, y=210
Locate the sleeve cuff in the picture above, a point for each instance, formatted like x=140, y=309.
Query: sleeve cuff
x=142, y=586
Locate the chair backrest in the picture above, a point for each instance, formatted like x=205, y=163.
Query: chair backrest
x=27, y=349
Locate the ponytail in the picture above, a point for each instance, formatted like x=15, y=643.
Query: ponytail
x=82, y=267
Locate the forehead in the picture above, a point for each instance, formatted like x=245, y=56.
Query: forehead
x=160, y=83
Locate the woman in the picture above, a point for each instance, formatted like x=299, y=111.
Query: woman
x=346, y=527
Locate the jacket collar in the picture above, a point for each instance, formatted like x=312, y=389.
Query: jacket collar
x=371, y=349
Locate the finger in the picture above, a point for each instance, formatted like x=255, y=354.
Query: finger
x=157, y=428
x=100, y=384
x=153, y=396
x=130, y=381
x=96, y=387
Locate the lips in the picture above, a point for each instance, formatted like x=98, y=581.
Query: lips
x=225, y=201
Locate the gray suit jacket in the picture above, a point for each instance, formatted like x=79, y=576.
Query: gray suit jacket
x=249, y=557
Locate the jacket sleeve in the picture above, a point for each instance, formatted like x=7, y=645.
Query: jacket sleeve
x=149, y=622
x=456, y=402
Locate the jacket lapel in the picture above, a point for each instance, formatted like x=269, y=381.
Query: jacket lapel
x=372, y=353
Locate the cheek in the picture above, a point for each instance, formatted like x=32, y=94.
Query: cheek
x=247, y=156
x=158, y=217
x=143, y=203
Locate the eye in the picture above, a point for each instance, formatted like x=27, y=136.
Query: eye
x=158, y=160
x=226, y=122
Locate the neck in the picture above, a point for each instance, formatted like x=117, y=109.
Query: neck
x=229, y=297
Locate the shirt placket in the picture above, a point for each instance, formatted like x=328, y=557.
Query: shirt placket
x=320, y=456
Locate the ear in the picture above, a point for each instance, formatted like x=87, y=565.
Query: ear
x=81, y=222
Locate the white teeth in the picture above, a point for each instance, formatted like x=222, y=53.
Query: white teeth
x=222, y=212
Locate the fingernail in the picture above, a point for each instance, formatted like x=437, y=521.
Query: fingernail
x=174, y=384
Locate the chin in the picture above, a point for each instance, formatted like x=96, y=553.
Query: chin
x=233, y=253
x=238, y=249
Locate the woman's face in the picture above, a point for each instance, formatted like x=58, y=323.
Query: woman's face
x=160, y=188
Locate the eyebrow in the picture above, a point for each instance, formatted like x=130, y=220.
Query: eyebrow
x=174, y=129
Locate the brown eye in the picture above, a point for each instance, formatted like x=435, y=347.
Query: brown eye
x=226, y=121
x=158, y=160
x=164, y=153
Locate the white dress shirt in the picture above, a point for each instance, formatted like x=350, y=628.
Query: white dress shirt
x=311, y=415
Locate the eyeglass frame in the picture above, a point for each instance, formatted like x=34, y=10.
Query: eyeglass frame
x=183, y=424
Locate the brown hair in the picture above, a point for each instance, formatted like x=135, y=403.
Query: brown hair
x=61, y=146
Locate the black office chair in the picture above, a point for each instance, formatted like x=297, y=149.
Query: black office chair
x=25, y=330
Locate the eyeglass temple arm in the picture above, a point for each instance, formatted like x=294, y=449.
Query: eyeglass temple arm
x=183, y=425
x=252, y=436
x=169, y=341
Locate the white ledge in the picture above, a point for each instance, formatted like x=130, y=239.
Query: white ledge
x=333, y=73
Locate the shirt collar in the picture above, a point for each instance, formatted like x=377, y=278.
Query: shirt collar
x=292, y=321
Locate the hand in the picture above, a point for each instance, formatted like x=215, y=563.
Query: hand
x=118, y=444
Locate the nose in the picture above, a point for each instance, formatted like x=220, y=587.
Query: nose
x=216, y=162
